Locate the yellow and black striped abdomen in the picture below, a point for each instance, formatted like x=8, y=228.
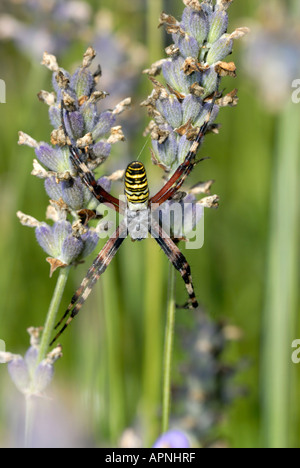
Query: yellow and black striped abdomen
x=136, y=184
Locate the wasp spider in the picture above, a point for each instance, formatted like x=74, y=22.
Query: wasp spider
x=137, y=202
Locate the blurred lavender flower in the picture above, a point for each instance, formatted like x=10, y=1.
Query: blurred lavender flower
x=44, y=25
x=172, y=439
x=55, y=424
x=192, y=74
x=122, y=57
x=70, y=238
x=35, y=26
x=203, y=388
x=272, y=54
x=29, y=376
x=47, y=422
x=206, y=386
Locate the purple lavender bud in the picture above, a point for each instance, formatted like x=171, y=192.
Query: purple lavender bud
x=72, y=193
x=64, y=160
x=61, y=230
x=104, y=124
x=209, y=81
x=218, y=25
x=48, y=156
x=59, y=242
x=90, y=115
x=101, y=149
x=169, y=69
x=206, y=109
x=175, y=77
x=44, y=236
x=55, y=159
x=55, y=116
x=188, y=46
x=71, y=249
x=184, y=146
x=67, y=123
x=219, y=50
x=90, y=240
x=19, y=374
x=191, y=108
x=172, y=439
x=166, y=152
x=43, y=376
x=76, y=124
x=82, y=82
x=31, y=358
x=170, y=108
x=53, y=189
x=195, y=23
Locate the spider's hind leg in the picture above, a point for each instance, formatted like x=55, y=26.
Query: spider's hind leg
x=98, y=267
x=177, y=259
x=184, y=268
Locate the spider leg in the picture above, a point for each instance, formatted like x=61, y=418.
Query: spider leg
x=184, y=169
x=98, y=267
x=89, y=180
x=177, y=259
x=85, y=174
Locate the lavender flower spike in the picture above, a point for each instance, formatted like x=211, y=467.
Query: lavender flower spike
x=192, y=74
x=90, y=129
x=29, y=377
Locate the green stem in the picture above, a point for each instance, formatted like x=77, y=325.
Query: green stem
x=153, y=336
x=52, y=312
x=169, y=335
x=116, y=407
x=282, y=285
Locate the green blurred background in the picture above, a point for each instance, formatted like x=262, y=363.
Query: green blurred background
x=246, y=273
